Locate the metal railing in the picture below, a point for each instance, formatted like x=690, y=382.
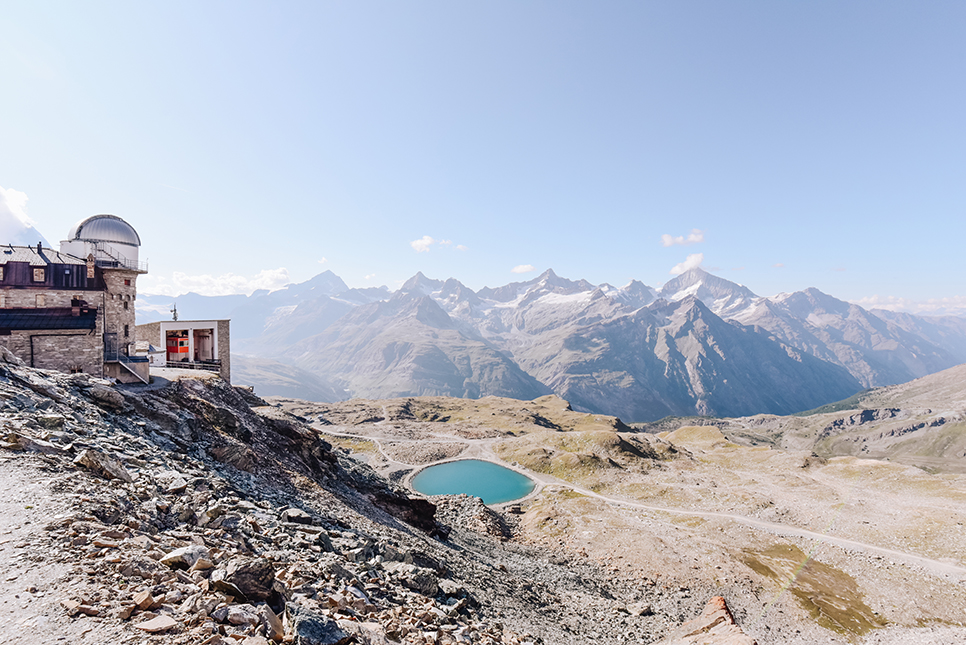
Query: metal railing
x=104, y=258
x=209, y=366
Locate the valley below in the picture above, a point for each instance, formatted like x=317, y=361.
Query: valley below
x=804, y=548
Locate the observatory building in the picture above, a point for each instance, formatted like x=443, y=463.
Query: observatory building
x=73, y=310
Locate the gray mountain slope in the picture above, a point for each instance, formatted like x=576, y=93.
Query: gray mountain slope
x=594, y=350
x=250, y=319
x=875, y=350
x=608, y=350
x=16, y=231
x=409, y=346
x=682, y=359
x=271, y=378
x=292, y=323
x=946, y=332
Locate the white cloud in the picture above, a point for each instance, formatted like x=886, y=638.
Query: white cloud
x=523, y=268
x=692, y=262
x=13, y=203
x=370, y=276
x=16, y=227
x=214, y=285
x=422, y=244
x=425, y=243
x=949, y=306
x=323, y=260
x=696, y=235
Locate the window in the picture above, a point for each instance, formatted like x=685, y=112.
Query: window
x=1, y=271
x=39, y=275
x=127, y=330
x=125, y=305
x=76, y=370
x=127, y=283
x=41, y=300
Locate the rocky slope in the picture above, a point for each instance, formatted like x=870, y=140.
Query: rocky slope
x=192, y=511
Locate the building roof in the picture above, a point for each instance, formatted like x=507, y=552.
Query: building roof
x=104, y=228
x=50, y=318
x=29, y=254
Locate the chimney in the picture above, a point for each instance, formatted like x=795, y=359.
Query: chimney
x=39, y=247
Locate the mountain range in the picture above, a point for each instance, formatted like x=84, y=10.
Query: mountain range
x=698, y=345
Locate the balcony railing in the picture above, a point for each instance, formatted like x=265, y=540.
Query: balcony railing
x=209, y=366
x=103, y=257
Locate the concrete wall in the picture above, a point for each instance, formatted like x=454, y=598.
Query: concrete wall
x=155, y=332
x=120, y=372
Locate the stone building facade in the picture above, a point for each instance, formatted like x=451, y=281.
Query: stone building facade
x=120, y=295
x=73, y=310
x=50, y=310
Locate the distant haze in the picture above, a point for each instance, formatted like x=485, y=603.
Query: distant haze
x=698, y=345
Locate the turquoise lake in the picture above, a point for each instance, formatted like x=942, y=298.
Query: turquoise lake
x=490, y=482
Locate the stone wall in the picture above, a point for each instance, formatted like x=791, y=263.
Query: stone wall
x=27, y=298
x=224, y=349
x=119, y=304
x=68, y=351
x=151, y=332
x=64, y=350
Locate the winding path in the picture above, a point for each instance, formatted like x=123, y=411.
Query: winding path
x=481, y=449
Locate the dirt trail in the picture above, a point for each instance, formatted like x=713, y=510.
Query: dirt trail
x=482, y=449
x=943, y=569
x=31, y=584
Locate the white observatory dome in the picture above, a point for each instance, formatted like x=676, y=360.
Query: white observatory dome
x=112, y=241
x=104, y=228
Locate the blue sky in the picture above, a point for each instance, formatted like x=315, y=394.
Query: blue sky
x=252, y=144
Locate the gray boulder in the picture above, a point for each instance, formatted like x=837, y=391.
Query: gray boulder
x=312, y=629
